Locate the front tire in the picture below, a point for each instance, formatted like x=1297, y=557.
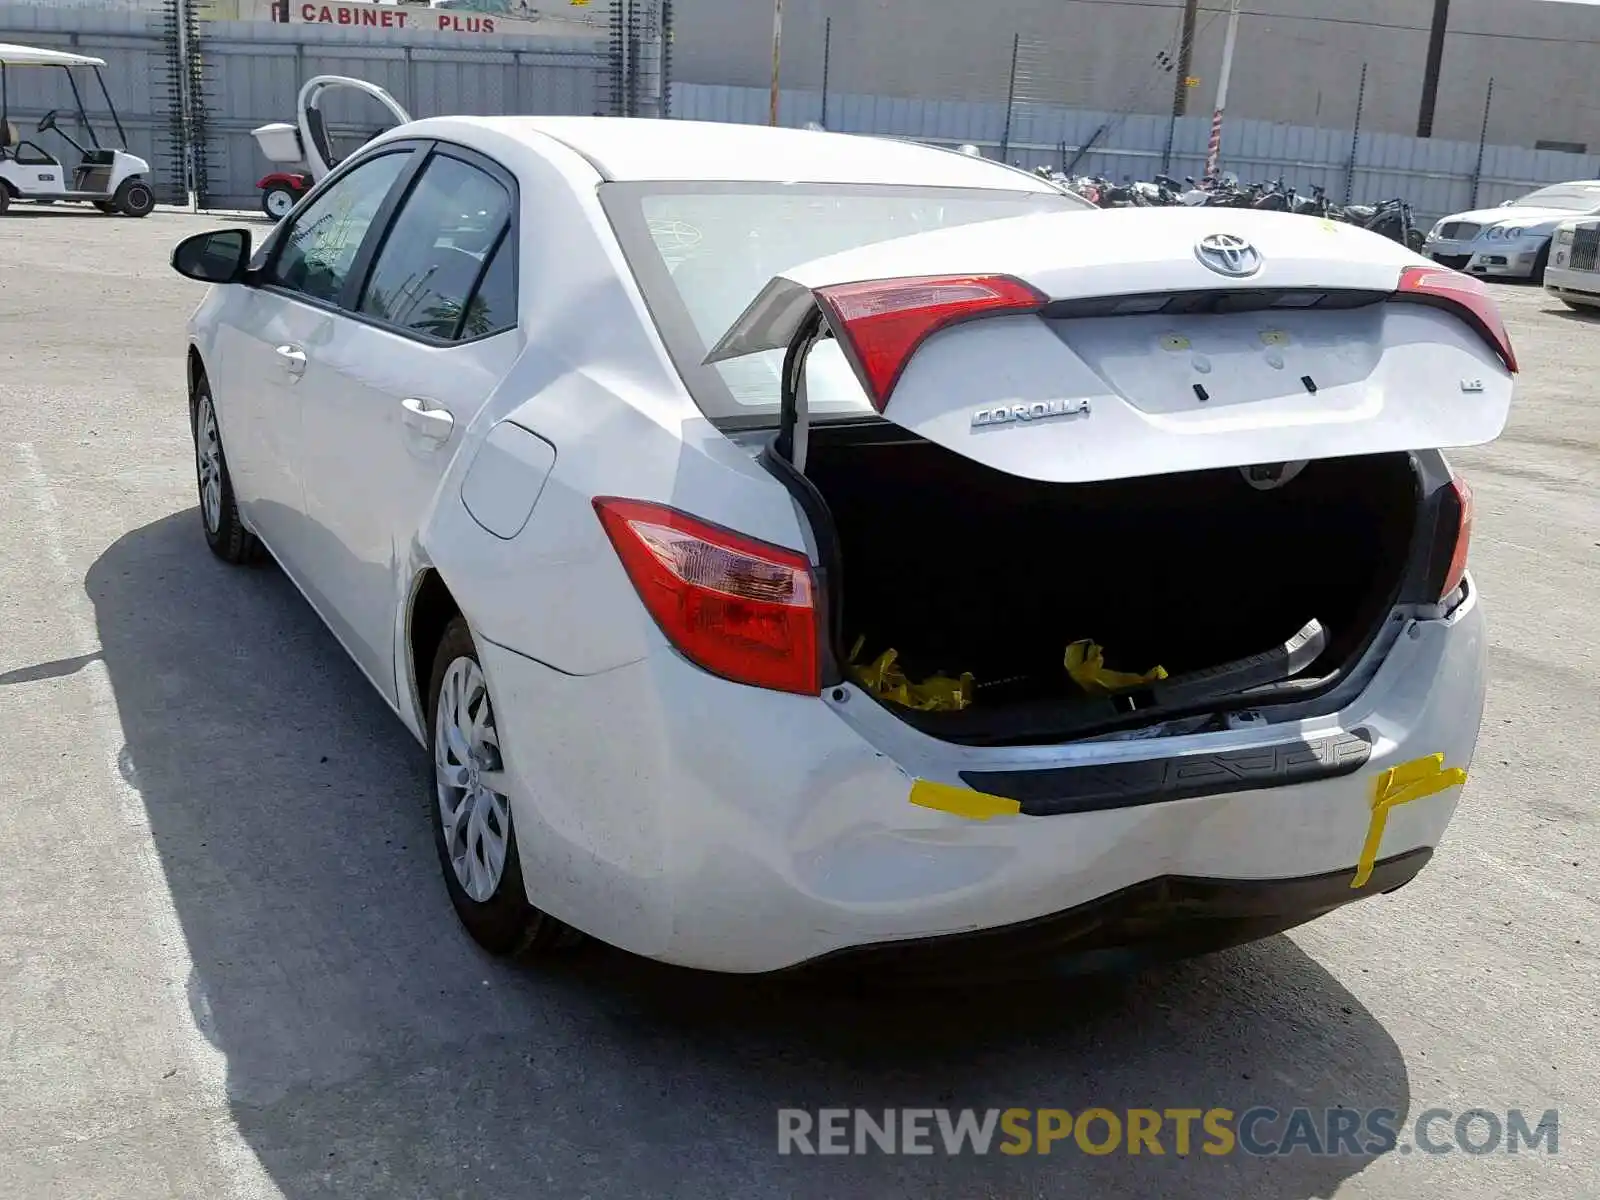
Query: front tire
x=1540, y=263
x=471, y=809
x=5, y=199
x=225, y=534
x=134, y=198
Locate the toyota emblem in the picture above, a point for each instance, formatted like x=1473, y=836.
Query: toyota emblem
x=1228, y=254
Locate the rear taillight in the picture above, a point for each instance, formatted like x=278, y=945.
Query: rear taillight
x=739, y=608
x=880, y=323
x=1458, y=556
x=1467, y=297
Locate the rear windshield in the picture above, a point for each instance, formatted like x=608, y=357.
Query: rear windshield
x=702, y=251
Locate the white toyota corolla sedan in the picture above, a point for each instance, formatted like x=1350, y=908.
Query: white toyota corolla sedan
x=792, y=545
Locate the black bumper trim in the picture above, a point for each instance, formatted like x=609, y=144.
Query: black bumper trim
x=1061, y=790
x=1175, y=916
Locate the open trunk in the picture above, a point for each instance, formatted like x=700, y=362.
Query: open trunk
x=1059, y=454
x=964, y=569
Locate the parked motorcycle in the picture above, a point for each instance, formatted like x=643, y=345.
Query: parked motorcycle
x=1390, y=218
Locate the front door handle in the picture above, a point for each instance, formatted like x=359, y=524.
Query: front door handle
x=434, y=424
x=293, y=359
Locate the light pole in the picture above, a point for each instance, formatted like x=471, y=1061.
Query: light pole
x=1214, y=151
x=777, y=55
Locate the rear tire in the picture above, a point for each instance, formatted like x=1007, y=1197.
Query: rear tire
x=134, y=198
x=225, y=533
x=5, y=199
x=472, y=830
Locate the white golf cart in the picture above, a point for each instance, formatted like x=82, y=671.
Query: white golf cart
x=111, y=179
x=308, y=144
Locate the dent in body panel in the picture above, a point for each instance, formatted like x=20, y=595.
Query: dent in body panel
x=595, y=382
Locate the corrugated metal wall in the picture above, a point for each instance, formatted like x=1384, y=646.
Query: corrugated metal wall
x=135, y=50
x=250, y=73
x=255, y=70
x=1436, y=176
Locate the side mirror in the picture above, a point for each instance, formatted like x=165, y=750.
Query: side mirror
x=216, y=257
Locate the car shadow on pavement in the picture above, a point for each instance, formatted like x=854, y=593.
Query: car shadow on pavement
x=372, y=1051
x=1588, y=316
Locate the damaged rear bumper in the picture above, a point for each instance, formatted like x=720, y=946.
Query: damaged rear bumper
x=741, y=830
x=1158, y=920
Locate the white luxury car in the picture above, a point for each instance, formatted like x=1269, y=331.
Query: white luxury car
x=1512, y=241
x=792, y=545
x=1574, y=272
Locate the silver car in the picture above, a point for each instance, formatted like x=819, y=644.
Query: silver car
x=1512, y=241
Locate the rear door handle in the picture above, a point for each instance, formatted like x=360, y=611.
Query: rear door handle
x=432, y=423
x=293, y=359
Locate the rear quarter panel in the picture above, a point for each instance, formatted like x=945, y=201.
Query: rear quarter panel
x=595, y=382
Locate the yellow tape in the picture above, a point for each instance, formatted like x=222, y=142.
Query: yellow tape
x=1086, y=663
x=963, y=802
x=1402, y=785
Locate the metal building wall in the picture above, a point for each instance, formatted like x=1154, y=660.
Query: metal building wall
x=1299, y=61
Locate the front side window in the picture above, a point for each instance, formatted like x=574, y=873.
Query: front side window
x=320, y=248
x=426, y=277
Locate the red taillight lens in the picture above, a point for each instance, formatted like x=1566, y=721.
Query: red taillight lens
x=1468, y=297
x=1458, y=557
x=881, y=323
x=739, y=608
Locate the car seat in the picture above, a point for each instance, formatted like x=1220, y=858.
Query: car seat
x=319, y=136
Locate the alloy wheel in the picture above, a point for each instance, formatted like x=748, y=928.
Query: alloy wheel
x=208, y=463
x=470, y=780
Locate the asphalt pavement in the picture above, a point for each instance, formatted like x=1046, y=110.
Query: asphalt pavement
x=229, y=969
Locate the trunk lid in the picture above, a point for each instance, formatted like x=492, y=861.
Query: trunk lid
x=1168, y=340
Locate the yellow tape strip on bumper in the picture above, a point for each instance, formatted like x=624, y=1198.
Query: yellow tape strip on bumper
x=1402, y=785
x=963, y=802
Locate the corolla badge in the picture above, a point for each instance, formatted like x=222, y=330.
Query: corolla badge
x=1039, y=410
x=1228, y=254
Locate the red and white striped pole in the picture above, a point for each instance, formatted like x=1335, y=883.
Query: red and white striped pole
x=1214, y=150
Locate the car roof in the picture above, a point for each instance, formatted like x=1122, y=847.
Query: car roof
x=624, y=148
x=37, y=56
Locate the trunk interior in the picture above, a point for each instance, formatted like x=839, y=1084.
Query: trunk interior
x=960, y=568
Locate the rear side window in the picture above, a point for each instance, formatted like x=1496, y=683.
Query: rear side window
x=494, y=306
x=438, y=273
